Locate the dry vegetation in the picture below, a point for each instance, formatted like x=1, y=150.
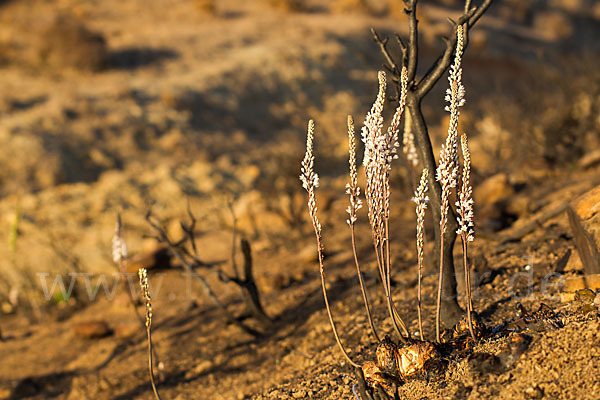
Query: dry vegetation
x=196, y=111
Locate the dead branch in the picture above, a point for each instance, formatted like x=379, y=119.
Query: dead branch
x=188, y=261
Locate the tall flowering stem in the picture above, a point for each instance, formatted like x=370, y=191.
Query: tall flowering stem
x=119, y=253
x=464, y=207
x=310, y=181
x=421, y=200
x=143, y=275
x=447, y=170
x=119, y=248
x=380, y=149
x=353, y=191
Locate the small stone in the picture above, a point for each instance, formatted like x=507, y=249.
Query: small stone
x=493, y=190
x=309, y=254
x=574, y=284
x=300, y=394
x=203, y=367
x=92, y=329
x=592, y=281
x=534, y=392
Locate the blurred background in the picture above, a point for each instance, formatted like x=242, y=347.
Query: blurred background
x=110, y=106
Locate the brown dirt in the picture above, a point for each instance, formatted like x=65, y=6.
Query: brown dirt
x=212, y=108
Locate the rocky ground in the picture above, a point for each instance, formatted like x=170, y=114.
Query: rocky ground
x=111, y=107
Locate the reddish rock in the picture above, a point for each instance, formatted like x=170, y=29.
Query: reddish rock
x=92, y=329
x=584, y=218
x=493, y=190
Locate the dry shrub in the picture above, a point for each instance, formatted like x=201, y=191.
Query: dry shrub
x=288, y=5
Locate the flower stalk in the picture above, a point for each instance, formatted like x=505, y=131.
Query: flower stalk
x=421, y=200
x=143, y=275
x=464, y=207
x=310, y=181
x=447, y=170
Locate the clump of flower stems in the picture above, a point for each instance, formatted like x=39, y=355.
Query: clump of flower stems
x=143, y=275
x=380, y=148
x=310, y=181
x=447, y=170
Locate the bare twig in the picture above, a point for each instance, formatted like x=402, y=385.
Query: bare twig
x=175, y=250
x=441, y=65
x=382, y=43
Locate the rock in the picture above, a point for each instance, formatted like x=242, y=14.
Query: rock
x=592, y=281
x=584, y=219
x=309, y=254
x=574, y=284
x=203, y=367
x=588, y=204
x=493, y=190
x=591, y=159
x=300, y=394
x=574, y=263
x=491, y=202
x=534, y=392
x=127, y=330
x=92, y=329
x=519, y=206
